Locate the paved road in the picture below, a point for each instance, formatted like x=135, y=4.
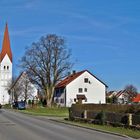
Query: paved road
x=17, y=126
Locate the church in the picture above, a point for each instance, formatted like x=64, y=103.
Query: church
x=5, y=68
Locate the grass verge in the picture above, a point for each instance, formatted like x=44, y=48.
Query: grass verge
x=106, y=128
x=55, y=112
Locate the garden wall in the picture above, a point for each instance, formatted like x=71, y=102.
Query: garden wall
x=107, y=113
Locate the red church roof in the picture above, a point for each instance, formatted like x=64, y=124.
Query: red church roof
x=136, y=99
x=6, y=45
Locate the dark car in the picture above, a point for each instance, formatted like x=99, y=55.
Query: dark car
x=21, y=105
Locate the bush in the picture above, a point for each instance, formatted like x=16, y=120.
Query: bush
x=29, y=102
x=7, y=106
x=106, y=107
x=101, y=117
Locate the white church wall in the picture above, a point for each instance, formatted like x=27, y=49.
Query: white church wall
x=6, y=78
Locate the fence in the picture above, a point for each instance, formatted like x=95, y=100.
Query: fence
x=112, y=114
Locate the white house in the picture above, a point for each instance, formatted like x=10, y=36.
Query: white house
x=110, y=94
x=23, y=89
x=122, y=97
x=5, y=68
x=78, y=85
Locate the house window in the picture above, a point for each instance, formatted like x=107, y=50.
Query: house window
x=85, y=89
x=57, y=100
x=4, y=67
x=61, y=100
x=86, y=80
x=58, y=93
x=80, y=90
x=62, y=90
x=7, y=67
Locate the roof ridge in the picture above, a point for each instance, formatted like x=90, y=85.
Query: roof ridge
x=73, y=76
x=69, y=79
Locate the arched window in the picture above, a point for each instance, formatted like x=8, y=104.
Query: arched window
x=4, y=67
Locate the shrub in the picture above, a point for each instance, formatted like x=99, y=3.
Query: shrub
x=29, y=102
x=101, y=117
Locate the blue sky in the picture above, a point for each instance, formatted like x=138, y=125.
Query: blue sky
x=104, y=35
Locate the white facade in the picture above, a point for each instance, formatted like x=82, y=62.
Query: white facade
x=123, y=98
x=5, y=68
x=5, y=79
x=93, y=89
x=23, y=89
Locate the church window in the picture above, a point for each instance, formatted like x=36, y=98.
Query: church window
x=7, y=67
x=4, y=67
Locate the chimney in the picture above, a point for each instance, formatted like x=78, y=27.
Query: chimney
x=74, y=72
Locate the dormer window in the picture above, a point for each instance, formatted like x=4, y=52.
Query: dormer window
x=86, y=80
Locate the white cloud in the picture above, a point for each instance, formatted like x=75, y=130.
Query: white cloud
x=16, y=4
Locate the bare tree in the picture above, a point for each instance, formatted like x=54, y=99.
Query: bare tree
x=12, y=89
x=26, y=87
x=131, y=90
x=22, y=88
x=47, y=62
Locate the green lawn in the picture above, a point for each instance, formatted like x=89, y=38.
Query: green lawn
x=56, y=112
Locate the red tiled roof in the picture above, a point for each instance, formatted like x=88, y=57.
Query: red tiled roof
x=136, y=99
x=6, y=45
x=72, y=77
x=69, y=79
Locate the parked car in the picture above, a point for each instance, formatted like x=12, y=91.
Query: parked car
x=21, y=105
x=0, y=106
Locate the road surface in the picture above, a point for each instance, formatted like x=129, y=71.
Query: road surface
x=17, y=126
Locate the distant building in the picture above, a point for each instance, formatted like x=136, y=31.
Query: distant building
x=23, y=89
x=119, y=97
x=82, y=86
x=136, y=99
x=122, y=97
x=110, y=94
x=5, y=68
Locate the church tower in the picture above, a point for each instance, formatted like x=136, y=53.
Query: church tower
x=5, y=68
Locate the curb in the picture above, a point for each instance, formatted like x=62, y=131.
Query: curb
x=98, y=130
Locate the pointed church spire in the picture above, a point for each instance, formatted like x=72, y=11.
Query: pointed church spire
x=6, y=45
